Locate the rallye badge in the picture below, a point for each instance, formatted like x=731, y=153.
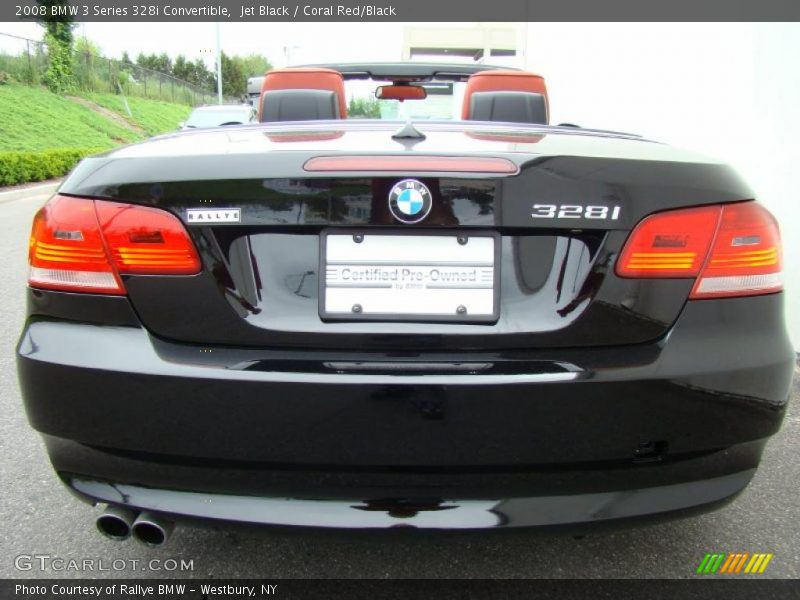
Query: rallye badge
x=410, y=201
x=202, y=216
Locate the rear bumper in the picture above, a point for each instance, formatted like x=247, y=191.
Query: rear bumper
x=356, y=439
x=421, y=513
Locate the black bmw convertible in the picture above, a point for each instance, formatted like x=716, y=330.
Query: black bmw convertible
x=447, y=313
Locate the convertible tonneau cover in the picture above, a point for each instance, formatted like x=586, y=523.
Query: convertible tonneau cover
x=409, y=71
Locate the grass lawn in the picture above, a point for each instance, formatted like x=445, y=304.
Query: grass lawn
x=34, y=119
x=154, y=116
x=43, y=135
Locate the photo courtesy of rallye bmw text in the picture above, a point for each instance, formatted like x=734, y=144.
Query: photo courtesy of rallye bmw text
x=319, y=291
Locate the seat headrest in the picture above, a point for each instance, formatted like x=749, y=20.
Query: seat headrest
x=307, y=78
x=500, y=80
x=298, y=105
x=508, y=107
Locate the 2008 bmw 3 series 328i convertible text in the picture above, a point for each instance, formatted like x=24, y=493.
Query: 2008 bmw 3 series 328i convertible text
x=409, y=321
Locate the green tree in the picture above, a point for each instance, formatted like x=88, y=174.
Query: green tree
x=200, y=75
x=124, y=74
x=234, y=81
x=84, y=64
x=181, y=68
x=163, y=63
x=155, y=62
x=253, y=65
x=84, y=45
x=195, y=72
x=60, y=74
x=365, y=108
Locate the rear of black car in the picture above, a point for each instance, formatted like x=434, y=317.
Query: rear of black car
x=564, y=336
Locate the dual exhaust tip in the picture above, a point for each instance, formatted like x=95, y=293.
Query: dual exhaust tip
x=119, y=524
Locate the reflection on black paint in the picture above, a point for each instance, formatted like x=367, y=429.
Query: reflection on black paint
x=403, y=508
x=322, y=201
x=429, y=401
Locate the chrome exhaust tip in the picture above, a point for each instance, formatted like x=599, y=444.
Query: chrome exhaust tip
x=151, y=530
x=115, y=523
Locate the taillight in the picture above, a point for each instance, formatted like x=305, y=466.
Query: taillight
x=67, y=251
x=746, y=257
x=83, y=245
x=731, y=250
x=145, y=240
x=669, y=244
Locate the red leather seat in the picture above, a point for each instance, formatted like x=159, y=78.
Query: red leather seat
x=305, y=78
x=501, y=80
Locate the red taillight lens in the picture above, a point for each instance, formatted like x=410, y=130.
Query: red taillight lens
x=669, y=244
x=83, y=245
x=146, y=240
x=732, y=250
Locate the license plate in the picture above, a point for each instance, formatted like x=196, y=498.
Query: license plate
x=420, y=277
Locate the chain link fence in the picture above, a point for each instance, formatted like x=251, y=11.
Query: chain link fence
x=25, y=61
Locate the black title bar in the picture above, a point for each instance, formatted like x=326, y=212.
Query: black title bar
x=408, y=10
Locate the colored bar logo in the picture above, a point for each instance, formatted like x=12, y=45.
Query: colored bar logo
x=733, y=563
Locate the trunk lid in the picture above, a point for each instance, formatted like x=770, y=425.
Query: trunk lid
x=558, y=223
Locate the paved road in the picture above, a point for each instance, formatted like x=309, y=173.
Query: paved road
x=39, y=517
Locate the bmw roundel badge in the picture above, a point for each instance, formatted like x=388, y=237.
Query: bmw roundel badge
x=410, y=201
